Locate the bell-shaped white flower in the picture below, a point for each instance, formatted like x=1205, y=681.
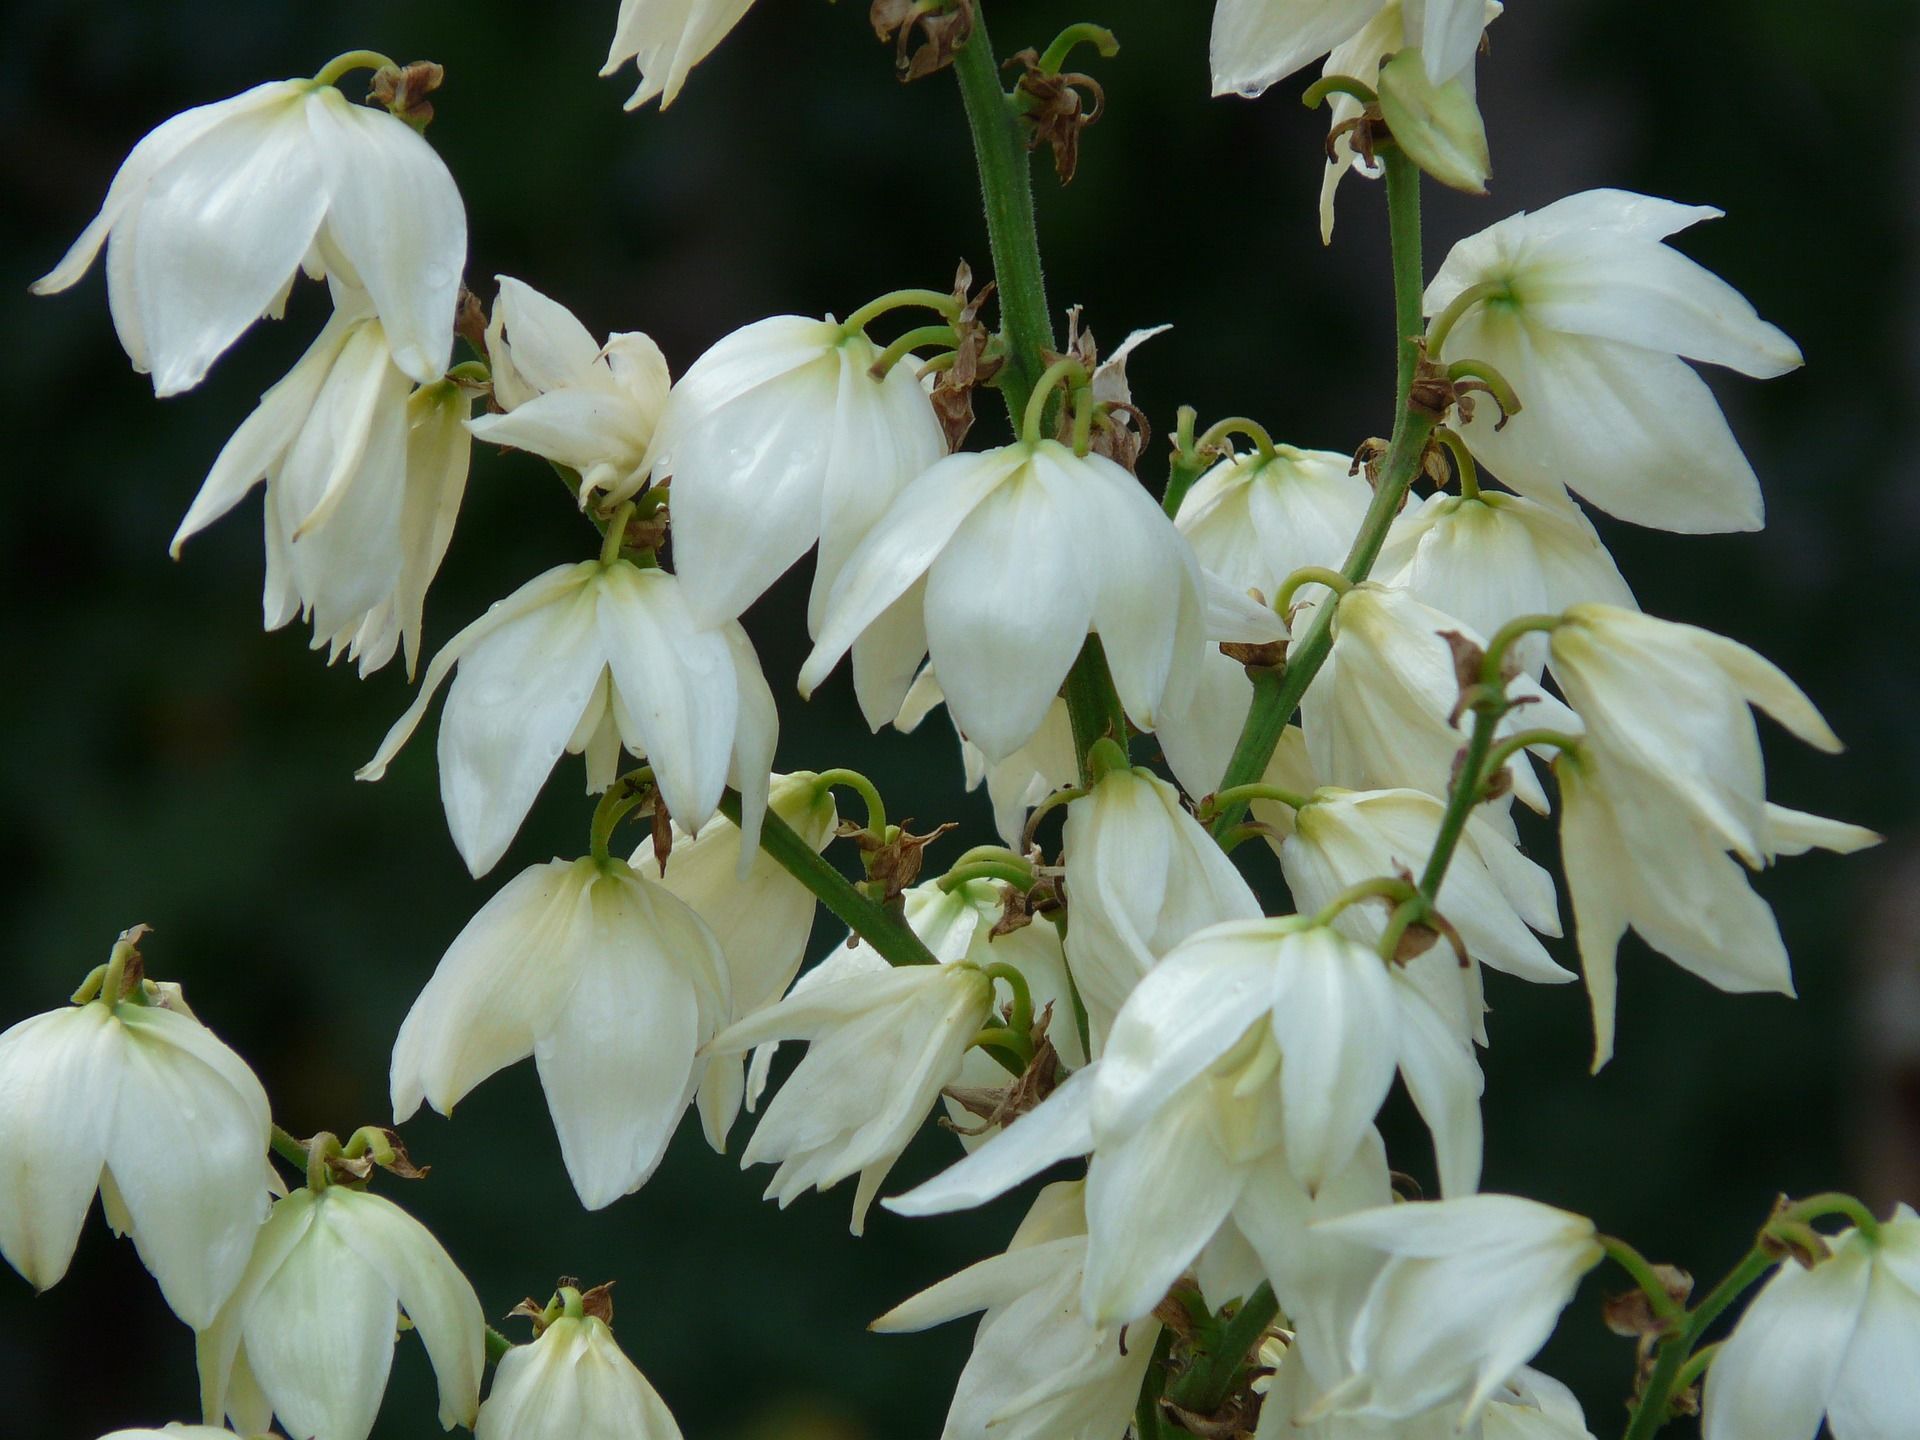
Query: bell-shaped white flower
x=140, y=1101
x=1837, y=1340
x=588, y=658
x=665, y=39
x=1588, y=315
x=611, y=984
x=1142, y=875
x=1491, y=558
x=309, y=1334
x=881, y=1047
x=1241, y=1078
x=1254, y=519
x=1039, y=1370
x=1046, y=763
x=174, y=1431
x=364, y=481
x=1002, y=563
x=590, y=407
x=1529, y=1406
x=1376, y=717
x=574, y=1382
x=1492, y=894
x=1471, y=1291
x=1198, y=739
x=1361, y=57
x=211, y=215
x=776, y=438
x=758, y=912
x=1258, y=43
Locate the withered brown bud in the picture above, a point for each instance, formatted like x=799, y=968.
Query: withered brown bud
x=943, y=25
x=1368, y=457
x=1631, y=1313
x=1055, y=110
x=1267, y=655
x=399, y=1163
x=662, y=833
x=403, y=91
x=894, y=865
x=974, y=362
x=470, y=322
x=598, y=1303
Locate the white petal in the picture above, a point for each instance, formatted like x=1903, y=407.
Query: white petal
x=1774, y=1376
x=1877, y=1394
x=1058, y=1129
x=1259, y=42
x=1445, y=1082
x=59, y=1078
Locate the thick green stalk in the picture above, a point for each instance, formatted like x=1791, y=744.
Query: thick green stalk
x=888, y=934
x=1205, y=1388
x=1006, y=190
x=1093, y=707
x=1467, y=787
x=1276, y=695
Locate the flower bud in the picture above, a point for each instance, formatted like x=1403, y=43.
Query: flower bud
x=574, y=1382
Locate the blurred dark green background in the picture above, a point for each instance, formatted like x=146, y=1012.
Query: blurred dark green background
x=166, y=762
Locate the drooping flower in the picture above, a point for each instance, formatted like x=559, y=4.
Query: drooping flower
x=213, y=213
x=308, y=1335
x=1588, y=315
x=779, y=437
x=665, y=39
x=1529, y=1406
x=1258, y=43
x=1471, y=1291
x=1002, y=564
x=1657, y=793
x=586, y=659
x=610, y=982
x=1837, y=1340
x=1377, y=716
x=761, y=918
x=1241, y=1077
x=882, y=1046
x=1039, y=1370
x=574, y=1382
x=1492, y=558
x=1360, y=57
x=137, y=1099
x=1019, y=782
x=590, y=407
x=364, y=481
x=1143, y=876
x=1493, y=895
x=1254, y=518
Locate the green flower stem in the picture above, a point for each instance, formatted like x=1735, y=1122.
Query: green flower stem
x=616, y=802
x=866, y=917
x=1644, y=1275
x=341, y=66
x=1468, y=787
x=1006, y=190
x=1691, y=1372
x=1146, y=1413
x=1322, y=90
x=1834, y=1203
x=1276, y=693
x=1463, y=463
x=497, y=1346
x=1189, y=461
x=1380, y=887
x=1085, y=33
x=1015, y=872
x=906, y=344
x=1526, y=740
x=1444, y=322
x=1033, y=418
x=1205, y=1387
x=1222, y=431
x=1334, y=580
x=615, y=535
x=1247, y=794
x=1021, y=1020
x=1093, y=707
x=866, y=790
x=1497, y=384
x=282, y=1143
x=935, y=300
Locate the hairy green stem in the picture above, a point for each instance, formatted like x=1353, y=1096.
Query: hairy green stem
x=1276, y=694
x=867, y=918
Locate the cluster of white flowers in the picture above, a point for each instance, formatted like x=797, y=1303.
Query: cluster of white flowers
x=1234, y=1260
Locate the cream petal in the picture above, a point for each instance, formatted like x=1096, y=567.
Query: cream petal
x=1777, y=1372
x=1058, y=1129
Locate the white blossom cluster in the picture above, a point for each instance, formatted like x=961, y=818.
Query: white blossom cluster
x=1231, y=1257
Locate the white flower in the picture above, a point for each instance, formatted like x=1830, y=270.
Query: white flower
x=1376, y=716
x=363, y=485
x=143, y=1103
x=1257, y=43
x=1253, y=520
x=1142, y=875
x=882, y=1047
x=1035, y=770
x=666, y=39
x=590, y=407
x=1529, y=1406
x=1199, y=737
x=1360, y=57
x=612, y=985
x=1471, y=1291
x=761, y=917
x=1241, y=1077
x=210, y=216
x=1838, y=1340
x=174, y=1431
x=1038, y=1370
x=588, y=658
x=776, y=438
x=309, y=1334
x=1587, y=315
x=574, y=1382
x=1002, y=563
x=1493, y=895
x=1493, y=558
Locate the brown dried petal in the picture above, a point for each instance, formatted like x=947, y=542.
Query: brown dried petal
x=944, y=26
x=404, y=90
